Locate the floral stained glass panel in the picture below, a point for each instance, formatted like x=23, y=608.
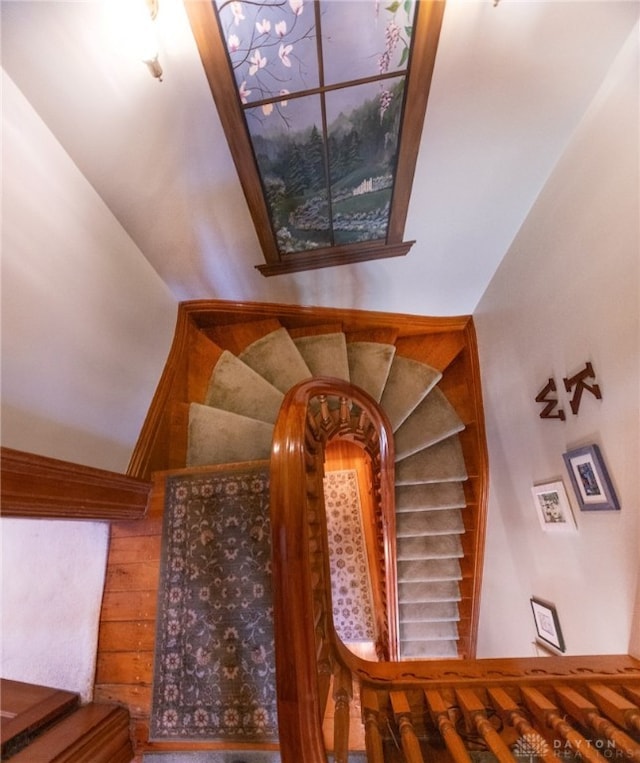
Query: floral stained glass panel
x=321, y=85
x=365, y=38
x=271, y=46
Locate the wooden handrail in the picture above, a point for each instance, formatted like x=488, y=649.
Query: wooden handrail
x=39, y=487
x=296, y=479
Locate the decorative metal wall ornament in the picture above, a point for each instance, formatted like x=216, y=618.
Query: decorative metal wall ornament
x=576, y=383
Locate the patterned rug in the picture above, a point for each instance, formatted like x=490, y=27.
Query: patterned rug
x=350, y=587
x=214, y=672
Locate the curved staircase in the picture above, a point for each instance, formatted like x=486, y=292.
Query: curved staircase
x=239, y=373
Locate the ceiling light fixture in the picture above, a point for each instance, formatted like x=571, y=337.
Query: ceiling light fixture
x=148, y=42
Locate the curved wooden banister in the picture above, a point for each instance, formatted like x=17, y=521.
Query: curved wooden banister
x=296, y=480
x=412, y=703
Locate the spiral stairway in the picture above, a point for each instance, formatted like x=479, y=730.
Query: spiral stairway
x=230, y=418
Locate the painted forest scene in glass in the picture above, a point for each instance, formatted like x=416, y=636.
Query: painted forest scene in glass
x=326, y=158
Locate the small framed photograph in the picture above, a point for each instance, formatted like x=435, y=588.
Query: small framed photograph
x=553, y=507
x=547, y=624
x=590, y=479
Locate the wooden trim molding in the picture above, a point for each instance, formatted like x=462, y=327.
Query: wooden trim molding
x=480, y=485
x=337, y=255
x=212, y=312
x=38, y=487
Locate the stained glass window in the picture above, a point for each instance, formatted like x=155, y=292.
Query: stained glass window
x=320, y=86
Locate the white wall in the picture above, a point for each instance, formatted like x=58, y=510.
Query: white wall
x=567, y=292
x=86, y=329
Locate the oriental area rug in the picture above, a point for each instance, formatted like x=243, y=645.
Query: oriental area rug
x=350, y=582
x=214, y=667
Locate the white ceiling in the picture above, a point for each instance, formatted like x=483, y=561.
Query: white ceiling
x=511, y=85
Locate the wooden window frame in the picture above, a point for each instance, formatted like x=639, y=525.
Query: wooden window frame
x=429, y=14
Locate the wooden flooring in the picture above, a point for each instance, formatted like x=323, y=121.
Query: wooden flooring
x=124, y=671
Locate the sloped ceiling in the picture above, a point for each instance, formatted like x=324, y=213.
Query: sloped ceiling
x=511, y=84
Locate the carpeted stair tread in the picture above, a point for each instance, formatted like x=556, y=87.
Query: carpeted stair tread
x=441, y=590
x=429, y=631
x=369, y=364
x=433, y=420
x=428, y=650
x=438, y=522
x=408, y=383
x=243, y=399
x=431, y=611
x=325, y=354
x=237, y=388
x=220, y=437
x=442, y=462
x=432, y=495
x=427, y=570
x=429, y=547
x=276, y=358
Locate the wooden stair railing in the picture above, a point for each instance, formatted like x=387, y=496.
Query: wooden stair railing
x=300, y=552
x=549, y=708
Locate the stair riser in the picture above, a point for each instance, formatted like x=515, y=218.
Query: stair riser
x=439, y=522
x=426, y=592
x=429, y=631
x=422, y=571
x=429, y=612
x=428, y=650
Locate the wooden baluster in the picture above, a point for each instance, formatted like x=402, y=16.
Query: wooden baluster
x=325, y=415
x=345, y=415
x=586, y=713
x=310, y=442
x=370, y=716
x=342, y=695
x=615, y=706
x=381, y=646
x=324, y=677
x=363, y=421
x=439, y=711
x=475, y=716
x=408, y=736
x=511, y=714
x=312, y=424
x=633, y=694
x=547, y=714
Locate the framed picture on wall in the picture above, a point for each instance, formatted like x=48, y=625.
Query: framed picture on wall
x=553, y=507
x=590, y=479
x=547, y=624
